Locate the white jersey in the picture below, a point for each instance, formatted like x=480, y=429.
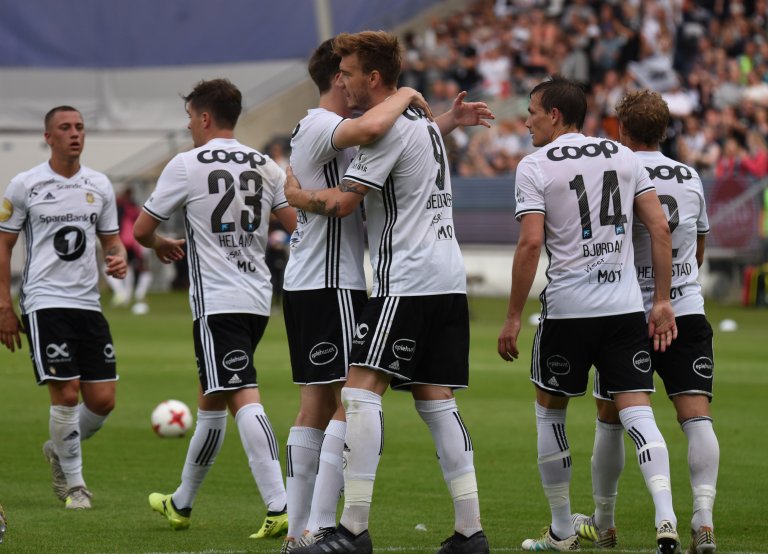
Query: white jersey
x=586, y=188
x=326, y=252
x=60, y=218
x=228, y=191
x=411, y=232
x=682, y=195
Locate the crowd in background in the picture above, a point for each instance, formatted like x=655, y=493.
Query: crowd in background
x=708, y=58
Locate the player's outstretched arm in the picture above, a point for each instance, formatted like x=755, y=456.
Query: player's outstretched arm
x=524, y=266
x=333, y=202
x=115, y=256
x=661, y=319
x=166, y=249
x=10, y=326
x=379, y=119
x=464, y=114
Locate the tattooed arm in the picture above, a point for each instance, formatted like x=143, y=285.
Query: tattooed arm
x=115, y=255
x=334, y=202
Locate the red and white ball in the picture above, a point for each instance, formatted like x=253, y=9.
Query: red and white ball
x=171, y=418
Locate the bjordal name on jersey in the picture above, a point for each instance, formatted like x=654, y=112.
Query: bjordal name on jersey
x=585, y=187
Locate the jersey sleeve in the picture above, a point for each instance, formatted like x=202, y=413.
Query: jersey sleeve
x=171, y=191
x=13, y=207
x=277, y=179
x=374, y=162
x=702, y=223
x=108, y=223
x=529, y=194
x=643, y=181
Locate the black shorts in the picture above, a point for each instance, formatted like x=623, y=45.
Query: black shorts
x=70, y=343
x=687, y=366
x=224, y=346
x=320, y=326
x=416, y=339
x=565, y=349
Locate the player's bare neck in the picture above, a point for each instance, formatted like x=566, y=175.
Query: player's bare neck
x=65, y=167
x=564, y=131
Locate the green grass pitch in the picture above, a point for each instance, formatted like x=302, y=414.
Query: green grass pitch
x=125, y=461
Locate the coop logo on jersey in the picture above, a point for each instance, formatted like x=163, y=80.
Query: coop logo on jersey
x=703, y=367
x=89, y=197
x=604, y=148
x=6, y=210
x=642, y=361
x=109, y=352
x=253, y=159
x=404, y=349
x=558, y=365
x=236, y=360
x=323, y=353
x=57, y=352
x=665, y=173
x=361, y=331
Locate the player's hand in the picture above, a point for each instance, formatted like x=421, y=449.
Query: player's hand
x=507, y=347
x=117, y=266
x=470, y=113
x=418, y=101
x=10, y=329
x=661, y=325
x=168, y=250
x=292, y=187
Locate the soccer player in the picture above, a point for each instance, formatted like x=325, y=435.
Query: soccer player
x=63, y=207
x=578, y=195
x=325, y=276
x=414, y=331
x=227, y=192
x=687, y=366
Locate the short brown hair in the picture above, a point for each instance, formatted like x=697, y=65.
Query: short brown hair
x=220, y=98
x=644, y=116
x=57, y=109
x=324, y=65
x=565, y=95
x=376, y=50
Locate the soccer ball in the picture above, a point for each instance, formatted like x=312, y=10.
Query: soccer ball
x=171, y=418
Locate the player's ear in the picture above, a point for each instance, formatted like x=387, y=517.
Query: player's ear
x=374, y=78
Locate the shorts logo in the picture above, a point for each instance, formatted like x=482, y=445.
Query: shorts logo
x=109, y=351
x=642, y=361
x=395, y=365
x=558, y=365
x=703, y=367
x=235, y=380
x=404, y=349
x=361, y=331
x=236, y=360
x=323, y=353
x=57, y=351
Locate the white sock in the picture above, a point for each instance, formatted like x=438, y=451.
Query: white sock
x=456, y=457
x=201, y=453
x=64, y=427
x=607, y=465
x=302, y=457
x=142, y=286
x=330, y=478
x=365, y=442
x=89, y=421
x=703, y=464
x=260, y=446
x=653, y=457
x=555, y=467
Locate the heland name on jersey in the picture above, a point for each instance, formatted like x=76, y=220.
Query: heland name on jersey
x=646, y=271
